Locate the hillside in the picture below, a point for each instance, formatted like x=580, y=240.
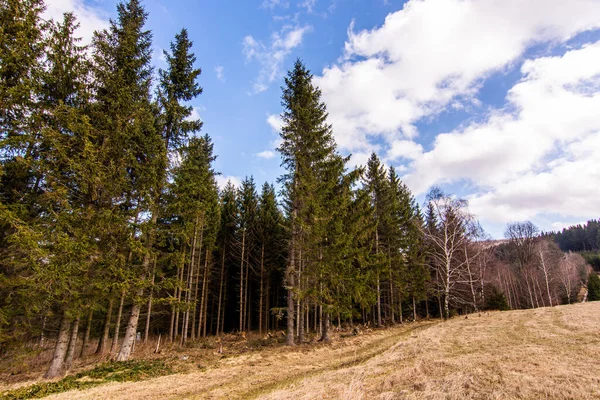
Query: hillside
x=532, y=354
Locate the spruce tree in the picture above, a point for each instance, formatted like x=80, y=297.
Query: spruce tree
x=178, y=84
x=195, y=202
x=593, y=287
x=247, y=230
x=21, y=54
x=133, y=151
x=226, y=242
x=269, y=235
x=21, y=51
x=381, y=201
x=68, y=168
x=313, y=169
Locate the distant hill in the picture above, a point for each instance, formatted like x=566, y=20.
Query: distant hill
x=584, y=239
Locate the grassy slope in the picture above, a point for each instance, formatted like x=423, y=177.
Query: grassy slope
x=543, y=353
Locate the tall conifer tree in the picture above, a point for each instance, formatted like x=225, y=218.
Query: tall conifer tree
x=309, y=156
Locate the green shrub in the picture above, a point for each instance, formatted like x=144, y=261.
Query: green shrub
x=496, y=300
x=593, y=287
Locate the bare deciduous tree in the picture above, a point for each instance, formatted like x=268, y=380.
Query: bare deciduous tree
x=451, y=252
x=522, y=236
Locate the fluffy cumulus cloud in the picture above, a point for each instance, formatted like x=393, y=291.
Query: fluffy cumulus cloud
x=433, y=52
x=91, y=18
x=536, y=155
x=271, y=56
x=541, y=158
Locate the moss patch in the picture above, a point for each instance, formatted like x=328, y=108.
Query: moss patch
x=129, y=371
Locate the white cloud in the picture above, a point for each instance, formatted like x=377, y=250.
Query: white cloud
x=195, y=115
x=275, y=122
x=536, y=158
x=404, y=149
x=91, y=18
x=435, y=53
x=540, y=159
x=219, y=70
x=267, y=154
x=560, y=225
x=308, y=5
x=223, y=179
x=275, y=3
x=272, y=56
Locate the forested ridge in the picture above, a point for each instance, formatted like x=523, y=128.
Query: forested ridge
x=584, y=239
x=112, y=224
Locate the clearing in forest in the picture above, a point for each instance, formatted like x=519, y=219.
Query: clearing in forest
x=530, y=354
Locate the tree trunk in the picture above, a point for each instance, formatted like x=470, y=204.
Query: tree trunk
x=225, y=302
x=301, y=321
x=179, y=290
x=221, y=291
x=86, y=336
x=131, y=330
x=207, y=281
x=529, y=288
x=172, y=322
x=299, y=311
x=315, y=315
x=241, y=327
x=212, y=315
x=268, y=305
x=546, y=277
x=307, y=317
x=188, y=286
x=72, y=345
x=289, y=278
x=541, y=292
x=321, y=319
x=471, y=281
x=102, y=344
x=391, y=296
x=378, y=282
x=195, y=302
x=325, y=335
x=261, y=295
x=447, y=304
x=247, y=309
x=400, y=309
x=147, y=330
x=115, y=341
x=378, y=301
x=414, y=308
x=42, y=337
x=447, y=290
x=56, y=368
x=202, y=315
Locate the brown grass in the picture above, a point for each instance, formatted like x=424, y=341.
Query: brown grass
x=549, y=353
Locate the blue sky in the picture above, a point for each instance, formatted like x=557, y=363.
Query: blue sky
x=495, y=101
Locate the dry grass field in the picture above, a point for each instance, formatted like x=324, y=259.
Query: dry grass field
x=548, y=353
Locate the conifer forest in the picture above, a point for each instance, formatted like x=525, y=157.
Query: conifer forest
x=113, y=229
